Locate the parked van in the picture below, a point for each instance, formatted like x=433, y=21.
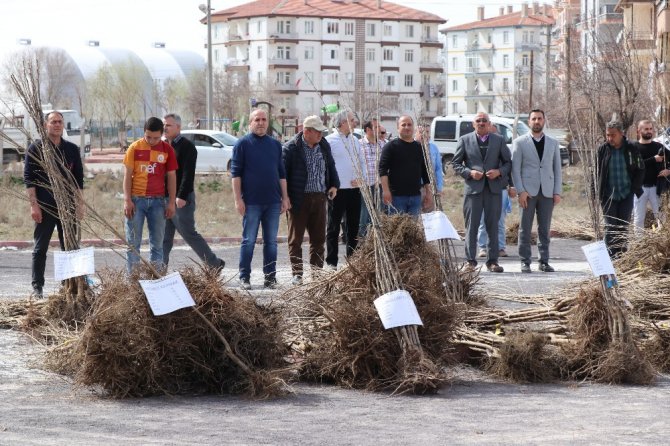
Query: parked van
x=445, y=131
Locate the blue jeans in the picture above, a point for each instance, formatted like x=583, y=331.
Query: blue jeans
x=153, y=209
x=484, y=237
x=405, y=204
x=365, y=220
x=266, y=216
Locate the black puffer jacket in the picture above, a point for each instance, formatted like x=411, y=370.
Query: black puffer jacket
x=296, y=169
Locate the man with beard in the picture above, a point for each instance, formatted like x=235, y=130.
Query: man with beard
x=650, y=151
x=536, y=172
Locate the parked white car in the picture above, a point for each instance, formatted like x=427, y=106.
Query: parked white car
x=215, y=149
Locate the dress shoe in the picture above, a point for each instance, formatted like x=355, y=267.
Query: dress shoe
x=494, y=268
x=546, y=268
x=525, y=267
x=502, y=253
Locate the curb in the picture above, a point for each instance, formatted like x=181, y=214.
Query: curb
x=24, y=244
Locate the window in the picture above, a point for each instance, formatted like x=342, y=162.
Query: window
x=216, y=55
x=489, y=39
x=409, y=30
x=454, y=41
x=259, y=26
x=490, y=85
x=309, y=78
x=525, y=60
x=349, y=79
x=408, y=104
x=389, y=80
x=524, y=37
x=472, y=64
x=348, y=28
x=309, y=105
x=505, y=37
x=309, y=29
x=426, y=32
x=332, y=53
x=246, y=29
x=370, y=29
x=283, y=78
x=454, y=63
x=388, y=54
x=388, y=30
x=348, y=54
x=283, y=27
x=331, y=78
x=427, y=106
x=370, y=54
x=426, y=79
x=446, y=130
x=309, y=52
x=216, y=32
x=454, y=109
x=409, y=80
x=260, y=51
x=370, y=80
x=506, y=60
x=490, y=107
x=454, y=85
x=332, y=28
x=283, y=52
x=524, y=83
x=259, y=77
x=505, y=84
x=409, y=55
x=531, y=37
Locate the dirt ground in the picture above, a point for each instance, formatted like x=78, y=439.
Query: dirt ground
x=41, y=408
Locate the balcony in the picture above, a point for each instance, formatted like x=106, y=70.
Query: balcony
x=479, y=48
x=431, y=66
x=528, y=46
x=236, y=37
x=477, y=72
x=283, y=37
x=282, y=63
x=479, y=95
x=430, y=42
x=237, y=64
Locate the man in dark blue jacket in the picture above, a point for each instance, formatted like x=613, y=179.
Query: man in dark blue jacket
x=311, y=179
x=43, y=208
x=620, y=174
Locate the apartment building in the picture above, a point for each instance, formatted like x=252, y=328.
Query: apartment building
x=599, y=24
x=377, y=57
x=496, y=64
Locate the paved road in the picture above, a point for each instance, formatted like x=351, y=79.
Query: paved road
x=41, y=408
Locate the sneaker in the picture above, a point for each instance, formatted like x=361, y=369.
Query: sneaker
x=297, y=280
x=37, y=292
x=482, y=253
x=494, y=268
x=270, y=283
x=546, y=268
x=245, y=284
x=331, y=267
x=470, y=266
x=525, y=267
x=502, y=253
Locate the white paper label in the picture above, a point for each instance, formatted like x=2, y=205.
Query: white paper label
x=397, y=309
x=76, y=263
x=436, y=225
x=167, y=294
x=598, y=258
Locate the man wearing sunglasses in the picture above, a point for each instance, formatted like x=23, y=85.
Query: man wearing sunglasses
x=484, y=161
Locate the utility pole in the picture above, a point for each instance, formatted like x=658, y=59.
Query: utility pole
x=530, y=88
x=547, y=67
x=568, y=75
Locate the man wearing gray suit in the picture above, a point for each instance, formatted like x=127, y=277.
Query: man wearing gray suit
x=536, y=171
x=484, y=161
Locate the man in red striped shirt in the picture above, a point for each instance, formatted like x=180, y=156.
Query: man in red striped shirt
x=148, y=162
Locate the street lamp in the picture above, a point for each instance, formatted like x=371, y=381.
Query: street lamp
x=207, y=9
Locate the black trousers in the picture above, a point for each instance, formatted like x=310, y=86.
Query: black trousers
x=42, y=235
x=617, y=219
x=347, y=205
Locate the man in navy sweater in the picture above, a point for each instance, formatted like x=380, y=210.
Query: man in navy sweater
x=183, y=221
x=43, y=209
x=259, y=186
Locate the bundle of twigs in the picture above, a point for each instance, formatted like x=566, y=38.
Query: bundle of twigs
x=336, y=327
x=128, y=352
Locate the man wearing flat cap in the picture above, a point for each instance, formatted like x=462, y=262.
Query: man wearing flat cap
x=311, y=180
x=619, y=174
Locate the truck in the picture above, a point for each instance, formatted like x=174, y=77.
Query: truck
x=17, y=132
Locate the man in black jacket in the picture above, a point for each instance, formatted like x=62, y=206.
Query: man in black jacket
x=620, y=174
x=183, y=220
x=43, y=209
x=311, y=179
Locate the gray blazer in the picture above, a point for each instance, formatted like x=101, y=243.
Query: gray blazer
x=531, y=175
x=468, y=158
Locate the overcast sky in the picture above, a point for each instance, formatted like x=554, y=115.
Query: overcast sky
x=137, y=24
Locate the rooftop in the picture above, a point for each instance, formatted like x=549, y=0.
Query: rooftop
x=507, y=20
x=339, y=9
